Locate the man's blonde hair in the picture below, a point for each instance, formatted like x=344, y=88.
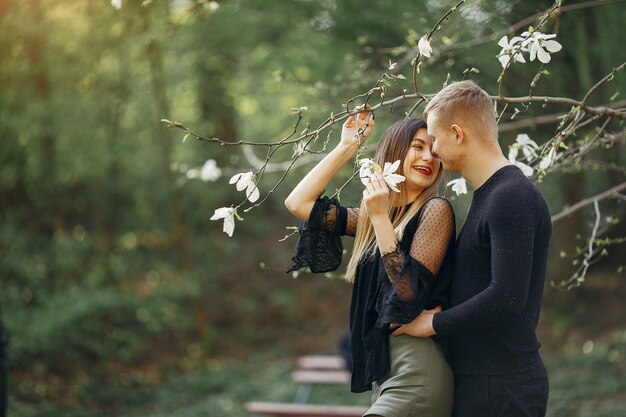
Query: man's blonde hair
x=466, y=104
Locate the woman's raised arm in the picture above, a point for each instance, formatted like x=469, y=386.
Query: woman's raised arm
x=355, y=131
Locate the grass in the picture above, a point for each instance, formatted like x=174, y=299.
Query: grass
x=591, y=384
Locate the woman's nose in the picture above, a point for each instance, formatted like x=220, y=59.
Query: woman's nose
x=428, y=155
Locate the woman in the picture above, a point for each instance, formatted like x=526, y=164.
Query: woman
x=399, y=265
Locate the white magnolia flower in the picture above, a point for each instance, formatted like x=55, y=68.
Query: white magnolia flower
x=210, y=171
x=526, y=144
x=117, y=4
x=369, y=168
x=246, y=180
x=547, y=160
x=191, y=173
x=391, y=178
x=298, y=149
x=528, y=147
x=459, y=186
x=424, y=47
x=228, y=214
x=526, y=169
x=540, y=45
x=510, y=48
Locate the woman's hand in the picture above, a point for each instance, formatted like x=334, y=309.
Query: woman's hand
x=357, y=128
x=376, y=198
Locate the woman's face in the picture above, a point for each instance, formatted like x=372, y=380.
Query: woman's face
x=420, y=166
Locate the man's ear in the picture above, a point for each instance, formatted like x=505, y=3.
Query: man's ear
x=460, y=134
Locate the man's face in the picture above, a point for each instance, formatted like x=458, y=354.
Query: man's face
x=445, y=145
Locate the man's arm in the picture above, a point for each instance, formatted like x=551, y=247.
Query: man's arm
x=512, y=233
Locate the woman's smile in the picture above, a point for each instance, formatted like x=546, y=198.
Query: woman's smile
x=423, y=170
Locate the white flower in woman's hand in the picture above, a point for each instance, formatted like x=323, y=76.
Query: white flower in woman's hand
x=369, y=168
x=540, y=45
x=391, y=178
x=246, y=180
x=459, y=186
x=424, y=47
x=228, y=214
x=510, y=49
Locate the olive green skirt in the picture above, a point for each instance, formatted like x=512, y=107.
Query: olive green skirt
x=419, y=381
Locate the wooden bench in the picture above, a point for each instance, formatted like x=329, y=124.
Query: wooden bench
x=303, y=410
x=318, y=370
x=328, y=362
x=311, y=371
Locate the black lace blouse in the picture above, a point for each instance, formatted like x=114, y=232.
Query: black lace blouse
x=394, y=287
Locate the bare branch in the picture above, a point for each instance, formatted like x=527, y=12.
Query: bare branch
x=258, y=164
x=608, y=77
x=605, y=194
x=542, y=119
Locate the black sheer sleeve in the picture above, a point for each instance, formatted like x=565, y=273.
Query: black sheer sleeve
x=409, y=270
x=319, y=246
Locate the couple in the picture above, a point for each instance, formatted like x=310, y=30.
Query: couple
x=407, y=264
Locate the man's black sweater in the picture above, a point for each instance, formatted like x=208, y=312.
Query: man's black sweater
x=497, y=286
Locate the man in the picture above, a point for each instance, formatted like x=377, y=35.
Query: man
x=500, y=265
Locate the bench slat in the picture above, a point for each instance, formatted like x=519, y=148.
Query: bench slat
x=321, y=377
x=304, y=410
x=321, y=362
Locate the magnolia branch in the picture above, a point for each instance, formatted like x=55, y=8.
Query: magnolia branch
x=583, y=203
x=430, y=34
x=525, y=22
x=340, y=117
x=517, y=48
x=579, y=276
x=580, y=114
x=608, y=77
x=543, y=119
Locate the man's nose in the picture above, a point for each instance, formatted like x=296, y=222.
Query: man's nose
x=433, y=153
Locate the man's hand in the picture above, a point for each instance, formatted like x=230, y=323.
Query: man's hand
x=421, y=326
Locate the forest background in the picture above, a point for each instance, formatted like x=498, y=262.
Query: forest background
x=120, y=297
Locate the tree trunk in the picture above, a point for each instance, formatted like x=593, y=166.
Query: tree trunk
x=182, y=239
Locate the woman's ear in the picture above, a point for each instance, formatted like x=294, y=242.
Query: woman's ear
x=458, y=131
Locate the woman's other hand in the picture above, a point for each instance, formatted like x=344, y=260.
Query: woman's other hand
x=357, y=128
x=376, y=198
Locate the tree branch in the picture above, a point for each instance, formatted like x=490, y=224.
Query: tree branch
x=542, y=119
x=606, y=194
x=608, y=77
x=522, y=23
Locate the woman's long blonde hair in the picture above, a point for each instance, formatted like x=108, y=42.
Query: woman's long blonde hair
x=394, y=145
